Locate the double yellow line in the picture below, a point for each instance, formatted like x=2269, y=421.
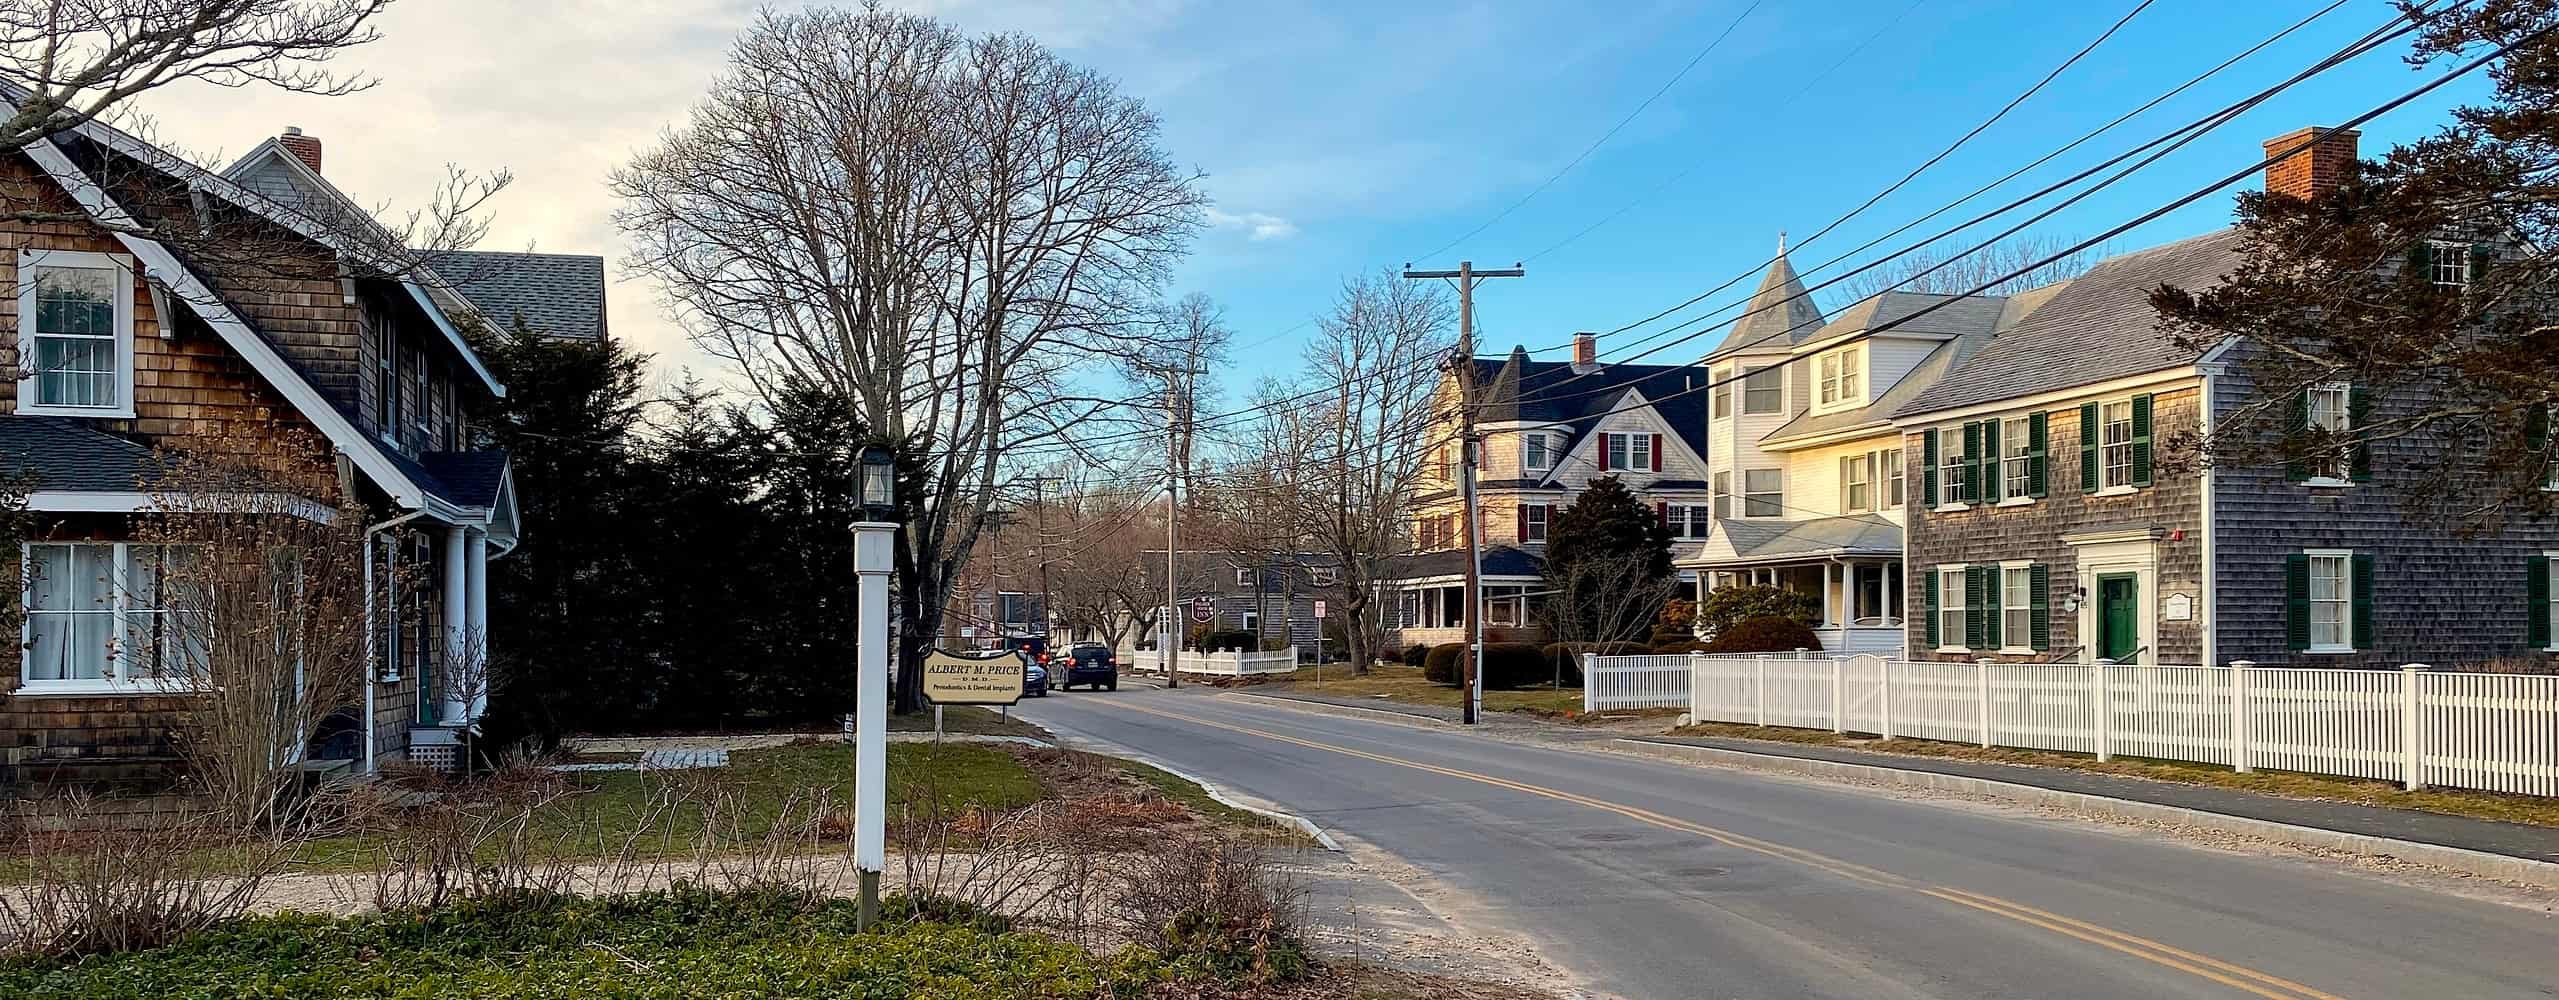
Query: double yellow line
x=2237, y=977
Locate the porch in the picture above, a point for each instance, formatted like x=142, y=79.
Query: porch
x=1851, y=566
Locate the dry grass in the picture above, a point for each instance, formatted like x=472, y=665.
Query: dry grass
x=2288, y=784
x=1406, y=685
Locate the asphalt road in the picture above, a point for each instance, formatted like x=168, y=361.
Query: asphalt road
x=1648, y=879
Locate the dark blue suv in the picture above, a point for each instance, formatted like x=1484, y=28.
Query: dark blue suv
x=1091, y=664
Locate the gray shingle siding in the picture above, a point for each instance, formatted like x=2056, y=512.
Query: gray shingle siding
x=2438, y=598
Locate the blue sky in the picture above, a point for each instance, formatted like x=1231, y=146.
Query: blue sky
x=1340, y=137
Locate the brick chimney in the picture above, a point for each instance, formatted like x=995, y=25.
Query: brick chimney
x=303, y=147
x=1585, y=351
x=2312, y=171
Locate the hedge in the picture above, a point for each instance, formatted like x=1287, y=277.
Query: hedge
x=1230, y=638
x=1439, y=666
x=1765, y=635
x=1414, y=654
x=1506, y=664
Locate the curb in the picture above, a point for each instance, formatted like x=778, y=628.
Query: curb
x=2464, y=860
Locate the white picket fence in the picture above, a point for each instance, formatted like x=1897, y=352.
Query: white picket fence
x=2497, y=732
x=1634, y=681
x=1224, y=662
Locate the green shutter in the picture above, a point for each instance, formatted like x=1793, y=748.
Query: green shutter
x=2481, y=255
x=1995, y=591
x=2296, y=431
x=1994, y=482
x=2297, y=601
x=2536, y=601
x=2363, y=601
x=1972, y=463
x=1975, y=636
x=2421, y=260
x=2039, y=601
x=1931, y=603
x=1928, y=487
x=2141, y=440
x=2357, y=408
x=2037, y=462
x=2536, y=428
x=2087, y=447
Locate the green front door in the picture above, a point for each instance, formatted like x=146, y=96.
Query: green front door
x=2118, y=616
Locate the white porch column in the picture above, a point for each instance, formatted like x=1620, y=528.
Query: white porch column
x=475, y=565
x=457, y=636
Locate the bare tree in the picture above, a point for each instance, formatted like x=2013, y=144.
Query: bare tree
x=1362, y=431
x=1950, y=267
x=941, y=227
x=1610, y=599
x=64, y=63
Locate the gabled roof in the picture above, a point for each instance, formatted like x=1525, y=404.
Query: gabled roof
x=1499, y=560
x=1967, y=322
x=1952, y=316
x=1781, y=313
x=555, y=294
x=1547, y=392
x=2094, y=328
x=1775, y=541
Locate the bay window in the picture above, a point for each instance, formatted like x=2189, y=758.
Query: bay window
x=1764, y=391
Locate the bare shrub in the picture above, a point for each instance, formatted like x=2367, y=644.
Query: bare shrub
x=177, y=870
x=1214, y=900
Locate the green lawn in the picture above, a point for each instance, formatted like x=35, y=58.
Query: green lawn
x=1408, y=686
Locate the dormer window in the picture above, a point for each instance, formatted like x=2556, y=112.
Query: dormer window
x=75, y=329
x=1842, y=376
x=1536, y=451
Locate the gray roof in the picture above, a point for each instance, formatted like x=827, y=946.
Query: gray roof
x=1771, y=541
x=1972, y=320
x=556, y=294
x=1551, y=392
x=1499, y=560
x=1950, y=316
x=53, y=453
x=1781, y=313
x=2093, y=328
x=469, y=478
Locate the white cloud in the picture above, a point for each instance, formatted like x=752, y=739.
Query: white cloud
x=1258, y=226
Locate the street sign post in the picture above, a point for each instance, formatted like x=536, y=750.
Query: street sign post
x=1319, y=642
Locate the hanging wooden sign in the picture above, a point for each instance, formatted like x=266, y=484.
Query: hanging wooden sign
x=955, y=679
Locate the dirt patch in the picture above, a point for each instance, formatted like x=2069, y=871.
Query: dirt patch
x=1354, y=981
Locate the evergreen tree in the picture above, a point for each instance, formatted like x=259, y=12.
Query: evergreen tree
x=1608, y=569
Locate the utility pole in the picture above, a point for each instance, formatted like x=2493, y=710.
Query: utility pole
x=1179, y=398
x=1469, y=442
x=1039, y=498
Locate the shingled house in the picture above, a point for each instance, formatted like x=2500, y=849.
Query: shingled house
x=128, y=344
x=2045, y=527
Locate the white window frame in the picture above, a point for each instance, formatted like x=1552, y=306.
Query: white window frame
x=2337, y=467
x=2016, y=607
x=2443, y=255
x=1639, y=452
x=1689, y=521
x=1857, y=483
x=1841, y=376
x=30, y=261
x=1950, y=472
x=1720, y=493
x=1773, y=372
x=1533, y=521
x=2108, y=478
x=1722, y=395
x=1950, y=607
x=1246, y=577
x=2016, y=466
x=1779, y=493
x=2344, y=601
x=1536, y=451
x=1252, y=621
x=1896, y=481
x=113, y=679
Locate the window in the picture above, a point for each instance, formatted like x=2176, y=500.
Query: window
x=1857, y=483
x=1247, y=577
x=75, y=315
x=1841, y=373
x=1723, y=393
x=108, y=614
x=2448, y=264
x=1764, y=493
x=1951, y=468
x=1891, y=458
x=1688, y=521
x=1252, y=620
x=1629, y=451
x=1875, y=595
x=2116, y=421
x=1764, y=391
x=1950, y=607
x=386, y=392
x=2016, y=607
x=1535, y=453
x=1723, y=494
x=1532, y=522
x=2018, y=469
x=2331, y=602
x=1322, y=576
x=2329, y=413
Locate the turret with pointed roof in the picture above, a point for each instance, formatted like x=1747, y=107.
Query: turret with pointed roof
x=1780, y=313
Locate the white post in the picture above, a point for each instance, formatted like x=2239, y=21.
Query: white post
x=1696, y=686
x=1884, y=696
x=457, y=604
x=2412, y=749
x=2097, y=707
x=1838, y=695
x=1590, y=687
x=372, y=658
x=1759, y=691
x=872, y=559
x=475, y=565
x=2240, y=733
x=1981, y=692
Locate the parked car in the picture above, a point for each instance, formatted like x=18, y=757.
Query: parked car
x=1092, y=664
x=1034, y=680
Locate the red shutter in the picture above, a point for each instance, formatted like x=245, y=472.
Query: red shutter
x=1661, y=512
x=1657, y=453
x=1520, y=515
x=1605, y=440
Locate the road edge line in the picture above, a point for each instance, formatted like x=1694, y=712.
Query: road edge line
x=1290, y=820
x=2459, y=859
x=1320, y=707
